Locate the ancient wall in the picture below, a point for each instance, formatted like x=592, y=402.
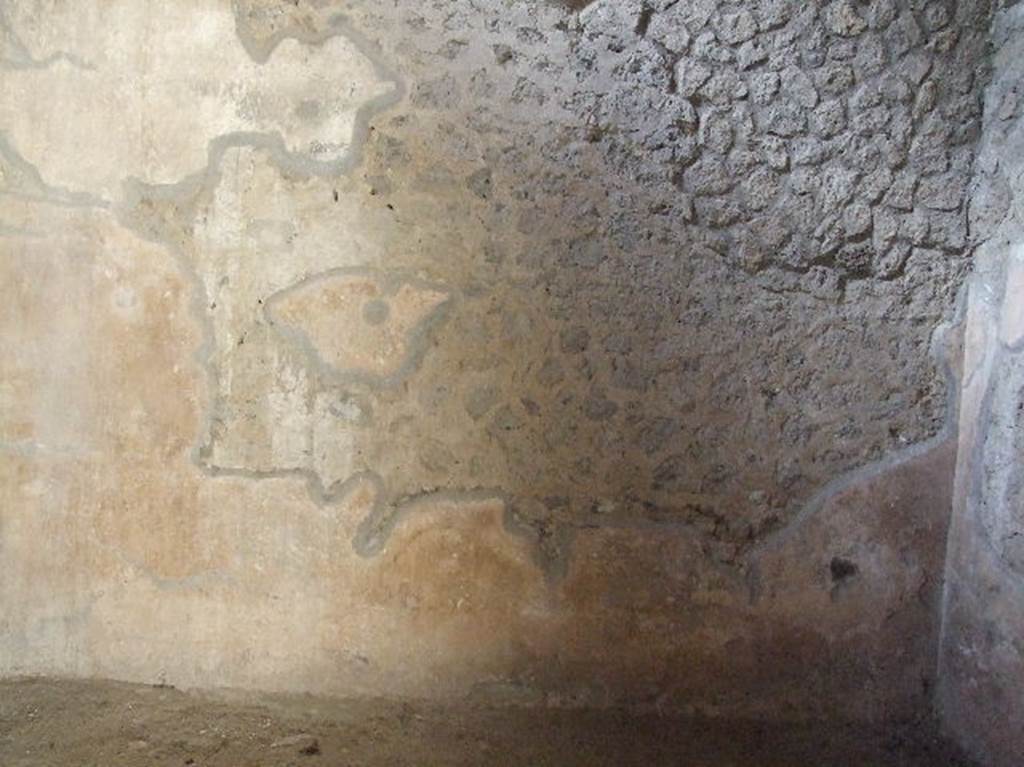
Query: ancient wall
x=586, y=354
x=982, y=661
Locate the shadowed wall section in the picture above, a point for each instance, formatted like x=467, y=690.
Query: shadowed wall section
x=982, y=661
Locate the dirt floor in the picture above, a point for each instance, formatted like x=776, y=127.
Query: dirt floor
x=105, y=724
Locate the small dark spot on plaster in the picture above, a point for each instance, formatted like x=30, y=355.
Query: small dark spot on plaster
x=841, y=569
x=479, y=182
x=335, y=195
x=575, y=340
x=376, y=311
x=309, y=109
x=644, y=21
x=503, y=54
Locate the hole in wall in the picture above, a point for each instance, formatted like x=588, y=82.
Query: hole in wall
x=842, y=570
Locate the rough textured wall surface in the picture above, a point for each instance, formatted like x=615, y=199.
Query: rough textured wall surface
x=982, y=658
x=585, y=353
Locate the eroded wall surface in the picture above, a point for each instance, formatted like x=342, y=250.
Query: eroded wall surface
x=590, y=354
x=982, y=660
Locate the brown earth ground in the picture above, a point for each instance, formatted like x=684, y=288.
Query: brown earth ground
x=107, y=724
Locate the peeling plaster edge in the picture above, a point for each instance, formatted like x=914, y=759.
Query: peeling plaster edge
x=375, y=529
x=416, y=341
x=260, y=52
x=185, y=190
x=943, y=356
x=974, y=461
x=23, y=58
x=296, y=162
x=288, y=162
x=49, y=193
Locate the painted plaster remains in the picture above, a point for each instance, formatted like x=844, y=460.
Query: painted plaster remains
x=143, y=88
x=588, y=354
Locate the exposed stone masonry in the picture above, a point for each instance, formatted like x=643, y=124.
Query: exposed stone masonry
x=711, y=241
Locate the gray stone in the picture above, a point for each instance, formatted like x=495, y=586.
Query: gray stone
x=857, y=220
x=763, y=87
x=724, y=88
x=707, y=48
x=809, y=151
x=936, y=16
x=901, y=192
x=750, y=54
x=903, y=34
x=834, y=79
x=773, y=152
x=797, y=85
x=942, y=192
x=784, y=119
x=843, y=19
x=760, y=188
x=735, y=28
x=669, y=30
x=829, y=118
x=717, y=132
x=875, y=184
x=690, y=76
x=709, y=176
